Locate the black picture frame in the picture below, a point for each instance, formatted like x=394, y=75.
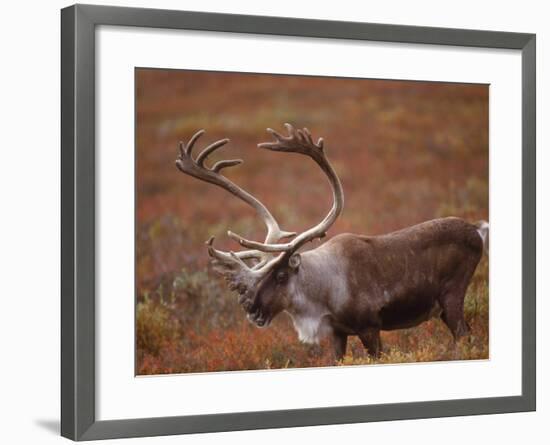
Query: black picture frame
x=78, y=23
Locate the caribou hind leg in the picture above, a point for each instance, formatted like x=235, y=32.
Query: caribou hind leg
x=452, y=314
x=371, y=341
x=452, y=300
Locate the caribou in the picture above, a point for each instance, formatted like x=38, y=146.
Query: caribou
x=351, y=284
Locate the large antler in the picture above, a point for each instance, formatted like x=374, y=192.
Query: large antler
x=237, y=273
x=197, y=169
x=300, y=141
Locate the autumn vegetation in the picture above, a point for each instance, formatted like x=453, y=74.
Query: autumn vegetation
x=405, y=152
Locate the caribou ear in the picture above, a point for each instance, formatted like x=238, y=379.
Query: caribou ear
x=294, y=261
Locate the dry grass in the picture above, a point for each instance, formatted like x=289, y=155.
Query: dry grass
x=405, y=151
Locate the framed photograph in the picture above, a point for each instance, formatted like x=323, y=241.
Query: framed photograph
x=272, y=222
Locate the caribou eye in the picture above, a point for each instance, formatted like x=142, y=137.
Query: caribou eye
x=281, y=277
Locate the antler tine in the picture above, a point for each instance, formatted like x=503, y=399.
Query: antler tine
x=191, y=143
x=186, y=154
x=220, y=255
x=298, y=141
x=210, y=149
x=228, y=163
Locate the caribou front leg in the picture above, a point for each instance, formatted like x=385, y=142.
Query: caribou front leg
x=339, y=343
x=371, y=341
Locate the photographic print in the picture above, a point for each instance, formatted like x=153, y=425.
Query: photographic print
x=287, y=221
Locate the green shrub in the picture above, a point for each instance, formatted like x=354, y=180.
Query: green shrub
x=155, y=326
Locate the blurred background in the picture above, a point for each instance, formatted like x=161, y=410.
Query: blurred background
x=405, y=152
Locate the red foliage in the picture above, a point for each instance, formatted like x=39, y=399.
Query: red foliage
x=405, y=151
